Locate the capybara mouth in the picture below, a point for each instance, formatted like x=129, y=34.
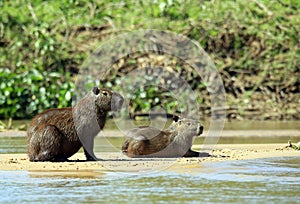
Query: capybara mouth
x=199, y=130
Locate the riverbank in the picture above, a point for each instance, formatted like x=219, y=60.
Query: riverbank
x=224, y=133
x=115, y=161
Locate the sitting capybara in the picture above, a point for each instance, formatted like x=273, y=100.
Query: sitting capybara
x=176, y=141
x=53, y=135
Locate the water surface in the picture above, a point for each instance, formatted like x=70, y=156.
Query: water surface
x=17, y=144
x=272, y=180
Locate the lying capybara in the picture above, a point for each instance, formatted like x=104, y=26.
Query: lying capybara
x=176, y=141
x=53, y=135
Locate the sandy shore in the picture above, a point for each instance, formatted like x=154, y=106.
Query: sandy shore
x=225, y=133
x=115, y=161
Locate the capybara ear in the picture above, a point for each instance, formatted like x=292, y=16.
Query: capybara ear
x=175, y=118
x=96, y=90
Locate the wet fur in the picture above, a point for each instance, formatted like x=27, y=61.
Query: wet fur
x=52, y=134
x=176, y=141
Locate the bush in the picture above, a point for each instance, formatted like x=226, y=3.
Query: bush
x=255, y=46
x=26, y=92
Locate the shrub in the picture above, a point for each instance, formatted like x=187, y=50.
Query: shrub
x=28, y=91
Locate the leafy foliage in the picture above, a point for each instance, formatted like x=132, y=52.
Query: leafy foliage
x=294, y=146
x=254, y=44
x=26, y=92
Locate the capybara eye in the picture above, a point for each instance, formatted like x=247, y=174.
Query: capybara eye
x=104, y=93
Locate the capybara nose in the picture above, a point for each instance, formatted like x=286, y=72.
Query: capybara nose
x=120, y=101
x=117, y=101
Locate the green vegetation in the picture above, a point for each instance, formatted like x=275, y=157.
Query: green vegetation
x=293, y=146
x=254, y=44
x=25, y=92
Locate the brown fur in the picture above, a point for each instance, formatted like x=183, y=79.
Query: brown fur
x=53, y=135
x=176, y=141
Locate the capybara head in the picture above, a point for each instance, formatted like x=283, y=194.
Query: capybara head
x=107, y=100
x=186, y=127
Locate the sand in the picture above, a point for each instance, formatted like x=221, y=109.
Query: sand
x=116, y=161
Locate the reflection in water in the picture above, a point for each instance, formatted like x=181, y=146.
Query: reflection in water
x=10, y=145
x=65, y=174
x=273, y=180
x=234, y=125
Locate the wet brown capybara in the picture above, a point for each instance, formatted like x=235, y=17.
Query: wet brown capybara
x=176, y=141
x=53, y=135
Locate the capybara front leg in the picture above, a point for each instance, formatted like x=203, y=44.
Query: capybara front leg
x=88, y=156
x=191, y=153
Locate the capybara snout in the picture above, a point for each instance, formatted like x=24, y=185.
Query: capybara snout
x=117, y=101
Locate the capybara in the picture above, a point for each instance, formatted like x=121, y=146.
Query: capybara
x=54, y=135
x=176, y=141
